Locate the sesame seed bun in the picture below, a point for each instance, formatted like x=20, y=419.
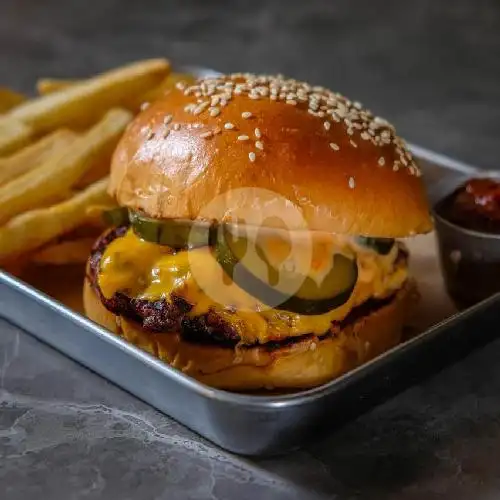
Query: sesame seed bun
x=306, y=363
x=343, y=169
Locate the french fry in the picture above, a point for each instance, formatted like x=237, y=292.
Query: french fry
x=14, y=134
x=9, y=99
x=99, y=169
x=65, y=252
x=49, y=85
x=45, y=86
x=35, y=228
x=60, y=173
x=81, y=104
x=35, y=154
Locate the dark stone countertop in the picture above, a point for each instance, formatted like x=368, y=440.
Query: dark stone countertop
x=431, y=67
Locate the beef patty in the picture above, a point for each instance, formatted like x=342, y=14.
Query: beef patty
x=162, y=316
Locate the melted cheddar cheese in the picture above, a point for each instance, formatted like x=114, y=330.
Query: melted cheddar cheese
x=147, y=270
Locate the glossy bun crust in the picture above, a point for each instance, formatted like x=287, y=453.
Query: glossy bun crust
x=302, y=364
x=343, y=169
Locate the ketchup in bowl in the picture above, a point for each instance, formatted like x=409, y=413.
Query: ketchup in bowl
x=468, y=229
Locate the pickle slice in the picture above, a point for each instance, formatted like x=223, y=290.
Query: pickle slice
x=381, y=245
x=116, y=216
x=283, y=289
x=171, y=232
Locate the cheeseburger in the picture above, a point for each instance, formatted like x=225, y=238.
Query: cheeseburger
x=256, y=244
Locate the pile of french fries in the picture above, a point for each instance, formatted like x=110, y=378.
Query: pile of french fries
x=55, y=152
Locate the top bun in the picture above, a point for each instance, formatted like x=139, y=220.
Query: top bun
x=342, y=169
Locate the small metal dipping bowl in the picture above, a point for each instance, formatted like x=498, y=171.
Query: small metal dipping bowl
x=470, y=259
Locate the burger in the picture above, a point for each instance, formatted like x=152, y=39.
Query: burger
x=256, y=244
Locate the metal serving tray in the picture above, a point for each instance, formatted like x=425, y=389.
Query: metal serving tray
x=248, y=424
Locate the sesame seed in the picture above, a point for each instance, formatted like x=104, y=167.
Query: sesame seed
x=257, y=133
x=259, y=145
x=176, y=126
x=380, y=121
x=381, y=161
x=228, y=126
x=200, y=108
x=206, y=135
x=251, y=156
x=150, y=135
x=165, y=133
x=243, y=138
x=214, y=111
x=144, y=105
x=216, y=92
x=180, y=85
x=352, y=182
x=395, y=167
x=246, y=115
x=167, y=119
x=334, y=146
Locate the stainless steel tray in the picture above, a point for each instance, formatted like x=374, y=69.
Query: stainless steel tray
x=247, y=424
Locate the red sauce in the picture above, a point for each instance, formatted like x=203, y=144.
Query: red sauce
x=475, y=205
x=471, y=263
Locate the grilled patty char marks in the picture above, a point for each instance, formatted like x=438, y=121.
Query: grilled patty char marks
x=160, y=316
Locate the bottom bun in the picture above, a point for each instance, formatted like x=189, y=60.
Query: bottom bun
x=303, y=363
